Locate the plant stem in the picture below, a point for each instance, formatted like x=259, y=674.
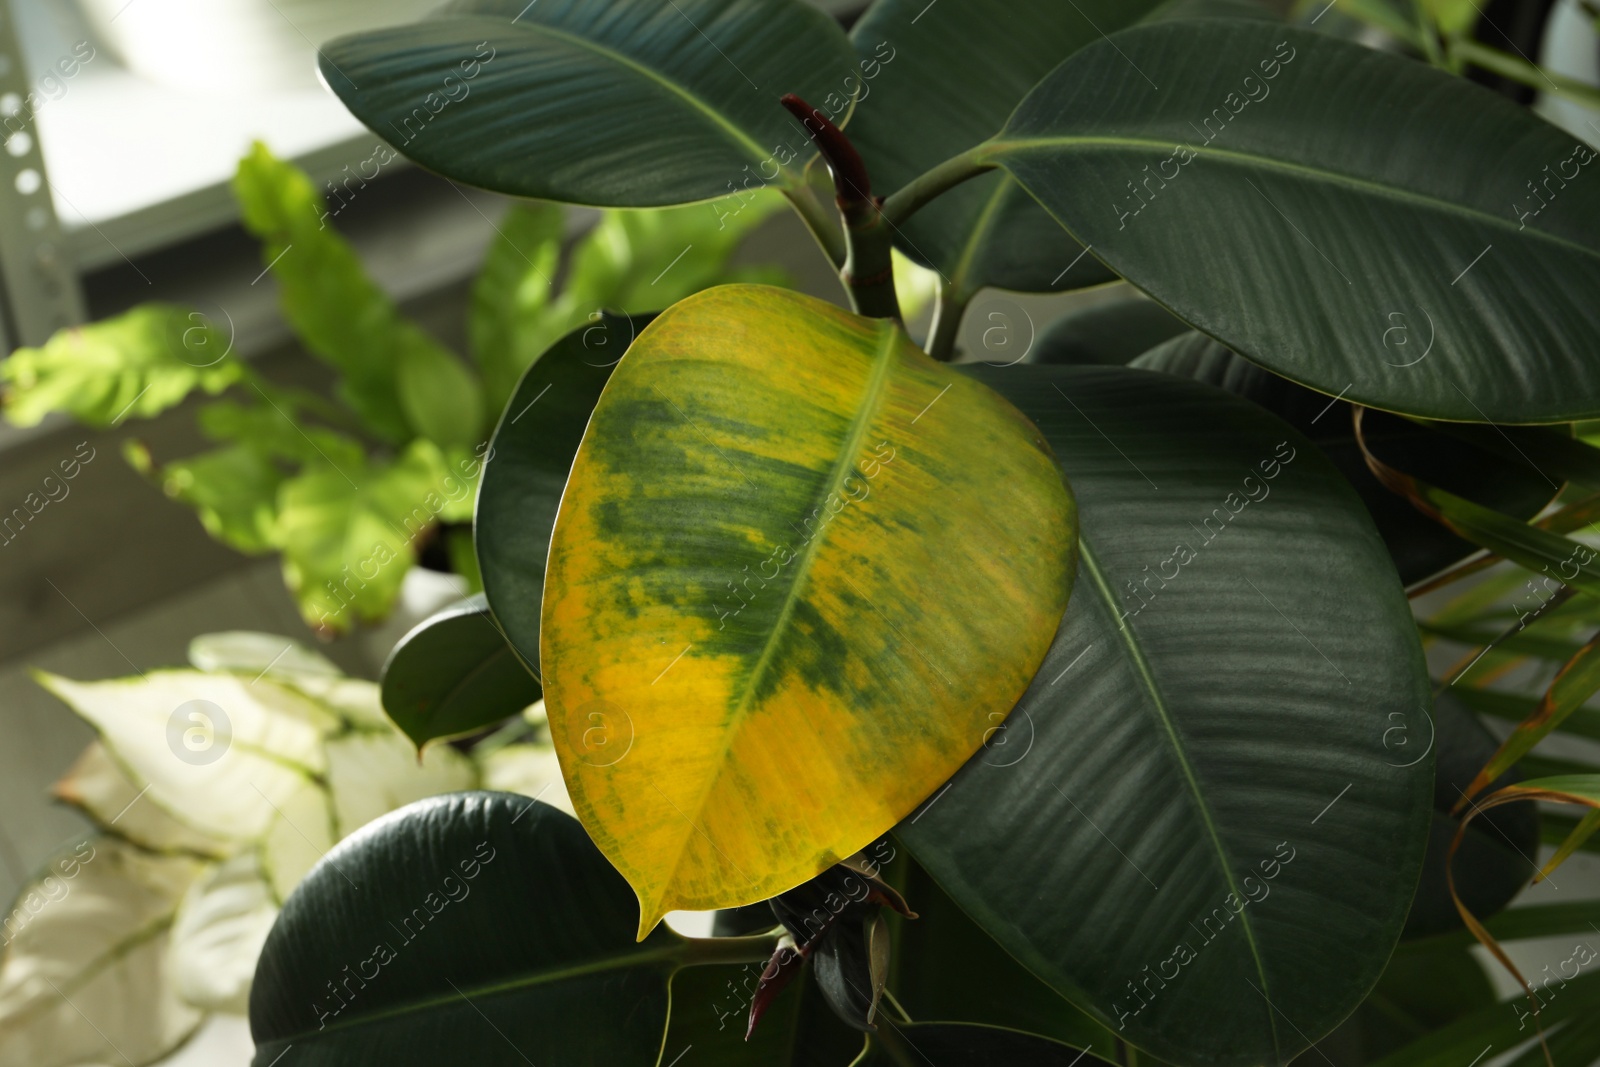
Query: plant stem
x=931, y=184
x=1428, y=35
x=898, y=1048
x=1520, y=70
x=756, y=948
x=817, y=221
x=868, y=270
x=948, y=311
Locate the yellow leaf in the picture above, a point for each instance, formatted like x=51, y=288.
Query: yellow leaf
x=799, y=571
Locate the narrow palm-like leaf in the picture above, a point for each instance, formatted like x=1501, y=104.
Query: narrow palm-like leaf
x=1574, y=684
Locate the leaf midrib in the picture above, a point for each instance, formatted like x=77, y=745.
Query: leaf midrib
x=744, y=141
x=671, y=953
x=1141, y=664
x=843, y=465
x=999, y=148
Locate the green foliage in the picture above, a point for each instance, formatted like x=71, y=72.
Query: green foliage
x=1192, y=819
x=156, y=919
x=135, y=365
x=387, y=365
x=349, y=493
x=1204, y=822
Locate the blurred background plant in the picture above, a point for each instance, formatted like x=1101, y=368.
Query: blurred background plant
x=355, y=490
x=205, y=820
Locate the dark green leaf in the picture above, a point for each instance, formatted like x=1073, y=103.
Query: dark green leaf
x=134, y=365
x=454, y=674
x=1497, y=856
x=968, y=1045
x=624, y=103
x=1207, y=794
x=933, y=82
x=1114, y=333
x=1503, y=1025
x=472, y=928
x=710, y=1006
x=1420, y=546
x=529, y=459
x=1419, y=992
x=1330, y=221
x=946, y=968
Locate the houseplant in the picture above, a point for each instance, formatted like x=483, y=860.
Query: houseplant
x=352, y=491
x=789, y=585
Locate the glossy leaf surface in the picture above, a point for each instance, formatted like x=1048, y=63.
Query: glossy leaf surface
x=775, y=619
x=1495, y=859
x=1328, y=217
x=1199, y=770
x=529, y=459
x=455, y=673
x=625, y=103
x=933, y=82
x=1418, y=545
x=971, y=1045
x=480, y=928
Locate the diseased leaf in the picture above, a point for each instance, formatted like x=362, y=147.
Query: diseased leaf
x=783, y=515
x=134, y=365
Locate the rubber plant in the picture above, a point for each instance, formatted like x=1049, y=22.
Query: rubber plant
x=795, y=589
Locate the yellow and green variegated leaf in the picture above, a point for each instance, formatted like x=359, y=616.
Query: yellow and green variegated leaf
x=799, y=570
